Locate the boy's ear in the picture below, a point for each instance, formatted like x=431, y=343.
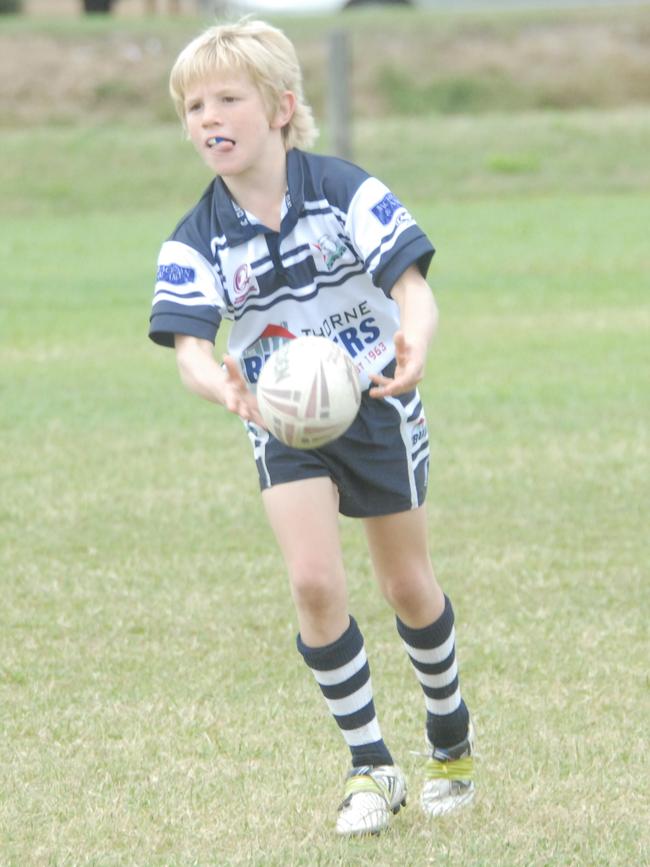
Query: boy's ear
x=286, y=108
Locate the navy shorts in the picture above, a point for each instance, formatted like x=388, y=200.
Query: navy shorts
x=380, y=465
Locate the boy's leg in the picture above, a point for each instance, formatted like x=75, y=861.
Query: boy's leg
x=304, y=518
x=425, y=621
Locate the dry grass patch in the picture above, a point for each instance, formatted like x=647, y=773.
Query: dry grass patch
x=421, y=62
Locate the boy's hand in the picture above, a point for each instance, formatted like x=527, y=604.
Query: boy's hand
x=409, y=369
x=236, y=396
x=223, y=384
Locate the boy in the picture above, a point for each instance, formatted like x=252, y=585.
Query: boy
x=285, y=243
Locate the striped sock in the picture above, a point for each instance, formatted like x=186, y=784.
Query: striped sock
x=343, y=674
x=432, y=652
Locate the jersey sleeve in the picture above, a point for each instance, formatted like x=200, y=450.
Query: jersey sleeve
x=187, y=298
x=385, y=235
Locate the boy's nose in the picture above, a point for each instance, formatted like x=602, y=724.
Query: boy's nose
x=210, y=116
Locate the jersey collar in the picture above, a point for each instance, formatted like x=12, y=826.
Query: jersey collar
x=234, y=221
x=295, y=197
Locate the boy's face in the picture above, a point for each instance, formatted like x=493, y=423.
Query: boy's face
x=228, y=123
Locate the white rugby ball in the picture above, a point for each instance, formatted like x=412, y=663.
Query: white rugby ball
x=308, y=392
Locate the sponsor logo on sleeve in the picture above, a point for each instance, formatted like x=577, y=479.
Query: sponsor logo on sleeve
x=385, y=209
x=177, y=275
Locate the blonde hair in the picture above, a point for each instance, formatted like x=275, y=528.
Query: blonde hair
x=261, y=52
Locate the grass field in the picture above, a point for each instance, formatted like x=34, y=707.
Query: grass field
x=152, y=706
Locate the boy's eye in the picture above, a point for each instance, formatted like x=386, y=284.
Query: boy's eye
x=193, y=106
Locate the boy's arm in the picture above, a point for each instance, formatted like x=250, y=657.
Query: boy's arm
x=418, y=323
x=201, y=374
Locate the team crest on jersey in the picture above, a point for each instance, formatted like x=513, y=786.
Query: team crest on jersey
x=330, y=249
x=244, y=285
x=176, y=275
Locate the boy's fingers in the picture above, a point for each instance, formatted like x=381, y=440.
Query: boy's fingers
x=383, y=386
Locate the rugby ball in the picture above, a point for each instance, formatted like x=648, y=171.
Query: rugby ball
x=308, y=392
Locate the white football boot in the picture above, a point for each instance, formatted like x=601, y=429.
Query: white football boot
x=372, y=795
x=449, y=783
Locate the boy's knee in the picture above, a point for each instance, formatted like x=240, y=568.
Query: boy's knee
x=411, y=592
x=314, y=586
x=397, y=593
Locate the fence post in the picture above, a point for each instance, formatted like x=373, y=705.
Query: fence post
x=338, y=93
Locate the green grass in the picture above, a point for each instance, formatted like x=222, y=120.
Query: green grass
x=119, y=167
x=153, y=708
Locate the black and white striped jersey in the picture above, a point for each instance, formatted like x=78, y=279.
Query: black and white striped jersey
x=343, y=242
